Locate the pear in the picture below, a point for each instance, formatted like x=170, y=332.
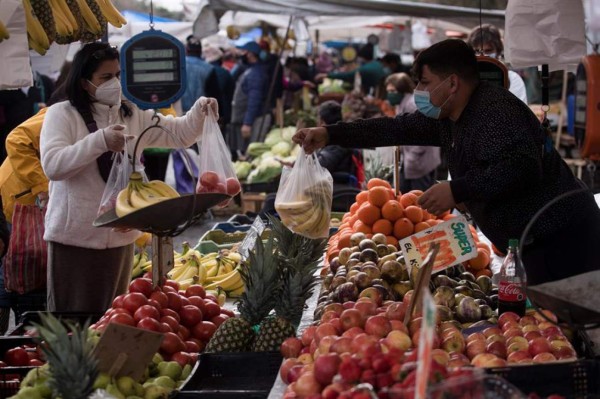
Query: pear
x=185, y=373
x=170, y=369
x=165, y=381
x=102, y=381
x=126, y=385
x=114, y=391
x=157, y=358
x=157, y=392
x=43, y=388
x=30, y=393
x=139, y=389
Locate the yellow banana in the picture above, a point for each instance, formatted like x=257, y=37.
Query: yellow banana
x=235, y=257
x=66, y=10
x=311, y=223
x=177, y=272
x=63, y=25
x=137, y=194
x=162, y=188
x=236, y=293
x=91, y=22
x=122, y=205
x=227, y=281
x=112, y=15
x=36, y=32
x=212, y=271
x=189, y=273
x=184, y=284
x=3, y=32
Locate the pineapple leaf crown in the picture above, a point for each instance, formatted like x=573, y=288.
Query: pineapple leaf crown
x=73, y=366
x=260, y=273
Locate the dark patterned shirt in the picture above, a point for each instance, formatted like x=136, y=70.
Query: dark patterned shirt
x=501, y=169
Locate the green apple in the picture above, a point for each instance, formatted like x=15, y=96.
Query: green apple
x=126, y=385
x=157, y=392
x=170, y=369
x=148, y=382
x=43, y=388
x=185, y=373
x=139, y=389
x=30, y=393
x=102, y=381
x=157, y=358
x=165, y=381
x=114, y=391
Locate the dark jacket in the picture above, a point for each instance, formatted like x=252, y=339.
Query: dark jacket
x=226, y=88
x=250, y=92
x=503, y=167
x=336, y=159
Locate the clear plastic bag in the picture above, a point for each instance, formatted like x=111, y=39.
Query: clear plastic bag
x=216, y=173
x=304, y=197
x=117, y=180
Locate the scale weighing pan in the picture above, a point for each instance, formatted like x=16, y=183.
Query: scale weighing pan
x=164, y=216
x=575, y=299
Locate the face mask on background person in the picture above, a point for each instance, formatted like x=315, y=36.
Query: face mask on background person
x=423, y=102
x=394, y=98
x=387, y=70
x=109, y=92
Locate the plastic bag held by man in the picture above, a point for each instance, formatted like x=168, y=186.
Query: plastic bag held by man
x=216, y=172
x=304, y=198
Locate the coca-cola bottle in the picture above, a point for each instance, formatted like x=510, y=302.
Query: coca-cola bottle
x=511, y=287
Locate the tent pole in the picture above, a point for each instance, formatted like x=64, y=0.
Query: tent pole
x=275, y=73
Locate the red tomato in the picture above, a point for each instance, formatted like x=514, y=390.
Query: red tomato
x=146, y=311
x=212, y=310
x=142, y=285
x=161, y=298
x=192, y=346
x=118, y=301
x=182, y=358
x=190, y=315
x=171, y=343
x=170, y=312
x=209, y=179
x=151, y=324
x=133, y=301
x=195, y=290
x=219, y=319
x=175, y=302
x=122, y=318
x=16, y=357
x=198, y=302
x=204, y=330
x=171, y=283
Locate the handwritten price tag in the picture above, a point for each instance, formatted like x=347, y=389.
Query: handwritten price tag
x=454, y=237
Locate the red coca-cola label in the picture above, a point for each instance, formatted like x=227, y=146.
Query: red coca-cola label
x=510, y=292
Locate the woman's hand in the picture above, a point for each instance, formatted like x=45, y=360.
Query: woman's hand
x=206, y=102
x=311, y=138
x=115, y=137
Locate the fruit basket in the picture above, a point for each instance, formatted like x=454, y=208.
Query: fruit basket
x=573, y=379
x=220, y=376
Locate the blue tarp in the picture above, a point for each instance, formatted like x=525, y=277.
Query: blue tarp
x=136, y=16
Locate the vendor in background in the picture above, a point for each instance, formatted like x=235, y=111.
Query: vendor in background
x=486, y=40
x=89, y=266
x=503, y=164
x=392, y=63
x=417, y=170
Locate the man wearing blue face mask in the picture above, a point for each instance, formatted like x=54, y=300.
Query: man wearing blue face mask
x=504, y=165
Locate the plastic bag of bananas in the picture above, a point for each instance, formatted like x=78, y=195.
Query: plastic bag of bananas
x=304, y=197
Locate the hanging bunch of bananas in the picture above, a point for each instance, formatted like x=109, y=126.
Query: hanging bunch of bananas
x=67, y=21
x=140, y=259
x=139, y=194
x=3, y=32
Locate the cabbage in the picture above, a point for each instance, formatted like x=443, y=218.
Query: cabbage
x=282, y=149
x=287, y=133
x=273, y=137
x=242, y=169
x=295, y=150
x=268, y=170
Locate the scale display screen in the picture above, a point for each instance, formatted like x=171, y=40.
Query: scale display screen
x=492, y=71
x=153, y=69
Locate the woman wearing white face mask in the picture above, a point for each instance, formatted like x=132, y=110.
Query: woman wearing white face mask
x=89, y=266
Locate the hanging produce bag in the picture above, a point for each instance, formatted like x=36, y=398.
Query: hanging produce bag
x=117, y=180
x=216, y=172
x=304, y=197
x=26, y=258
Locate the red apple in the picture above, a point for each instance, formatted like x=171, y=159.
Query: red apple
x=531, y=335
x=325, y=343
x=399, y=340
x=209, y=179
x=475, y=347
x=521, y=356
x=495, y=338
x=351, y=318
x=396, y=311
x=453, y=343
x=492, y=331
x=538, y=345
x=328, y=316
x=510, y=324
x=233, y=186
x=513, y=332
x=544, y=357
x=530, y=327
x=308, y=335
x=506, y=316
x=399, y=326
x=458, y=360
x=551, y=331
x=374, y=294
x=378, y=326
x=286, y=367
x=341, y=345
x=305, y=358
x=483, y=359
x=291, y=347
x=366, y=308
x=414, y=325
x=353, y=332
x=324, y=330
x=525, y=320
x=326, y=367
x=497, y=348
x=565, y=352
x=548, y=315
x=516, y=344
x=441, y=357
x=477, y=336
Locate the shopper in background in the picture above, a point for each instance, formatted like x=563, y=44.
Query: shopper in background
x=89, y=266
x=334, y=158
x=214, y=56
x=503, y=164
x=201, y=77
x=248, y=99
x=392, y=63
x=417, y=169
x=486, y=39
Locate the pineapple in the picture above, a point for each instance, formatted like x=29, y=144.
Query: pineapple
x=73, y=366
x=261, y=279
x=299, y=263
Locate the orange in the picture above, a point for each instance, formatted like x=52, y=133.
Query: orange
x=344, y=241
x=378, y=196
x=448, y=217
x=361, y=197
x=483, y=272
x=354, y=207
x=392, y=194
x=383, y=226
x=421, y=226
x=368, y=214
x=392, y=210
x=377, y=182
x=432, y=222
x=485, y=247
x=418, y=193
x=369, y=235
x=391, y=240
x=414, y=213
x=408, y=199
x=481, y=261
x=403, y=228
x=352, y=221
x=360, y=227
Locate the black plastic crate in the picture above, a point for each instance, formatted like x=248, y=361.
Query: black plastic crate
x=579, y=379
x=34, y=317
x=248, y=375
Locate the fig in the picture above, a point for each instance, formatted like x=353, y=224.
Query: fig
x=382, y=250
x=494, y=290
x=486, y=311
x=357, y=267
x=344, y=255
x=443, y=313
x=441, y=300
x=368, y=263
x=467, y=311
x=480, y=302
x=327, y=281
x=493, y=320
x=352, y=273
x=383, y=290
x=381, y=282
x=362, y=280
x=391, y=271
x=318, y=312
x=347, y=292
x=493, y=301
x=379, y=239
x=441, y=280
x=458, y=297
x=352, y=262
x=392, y=249
x=372, y=271
x=367, y=244
x=485, y=284
x=444, y=292
x=355, y=255
x=463, y=289
x=402, y=287
x=368, y=254
x=356, y=238
x=337, y=281
x=467, y=276
x=355, y=249
x=453, y=322
x=478, y=294
x=386, y=258
x=334, y=264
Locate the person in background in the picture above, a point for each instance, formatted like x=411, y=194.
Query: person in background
x=371, y=71
x=392, y=63
x=417, y=169
x=201, y=77
x=486, y=39
x=503, y=163
x=88, y=266
x=248, y=99
x=333, y=157
x=214, y=56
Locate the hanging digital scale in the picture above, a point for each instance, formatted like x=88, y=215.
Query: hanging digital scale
x=587, y=107
x=493, y=71
x=153, y=69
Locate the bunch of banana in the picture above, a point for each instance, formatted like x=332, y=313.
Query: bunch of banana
x=139, y=194
x=37, y=37
x=3, y=32
x=310, y=215
x=112, y=15
x=68, y=20
x=139, y=260
x=226, y=275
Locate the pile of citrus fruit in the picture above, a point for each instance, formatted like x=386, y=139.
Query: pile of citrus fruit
x=379, y=210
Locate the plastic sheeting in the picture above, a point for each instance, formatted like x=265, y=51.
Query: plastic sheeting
x=544, y=32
